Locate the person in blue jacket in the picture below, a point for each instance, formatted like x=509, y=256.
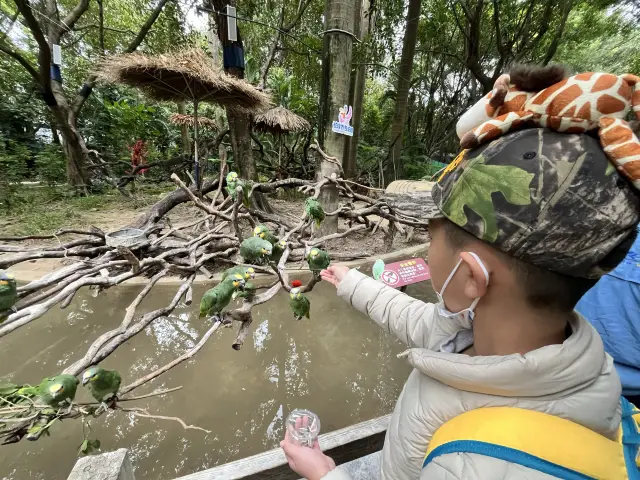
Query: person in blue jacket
x=613, y=308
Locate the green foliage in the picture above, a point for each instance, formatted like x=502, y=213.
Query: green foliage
x=51, y=165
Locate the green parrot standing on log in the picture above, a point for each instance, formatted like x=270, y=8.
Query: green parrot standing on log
x=255, y=250
x=265, y=234
x=314, y=210
x=8, y=293
x=299, y=303
x=233, y=182
x=318, y=260
x=217, y=298
x=278, y=250
x=53, y=390
x=247, y=272
x=102, y=384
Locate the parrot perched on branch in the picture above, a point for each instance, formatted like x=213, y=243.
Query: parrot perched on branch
x=247, y=293
x=53, y=390
x=278, y=250
x=247, y=272
x=8, y=292
x=101, y=383
x=314, y=210
x=255, y=250
x=299, y=303
x=318, y=260
x=264, y=233
x=233, y=182
x=217, y=298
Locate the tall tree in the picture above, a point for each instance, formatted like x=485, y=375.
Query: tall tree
x=395, y=168
x=364, y=24
x=334, y=93
x=47, y=30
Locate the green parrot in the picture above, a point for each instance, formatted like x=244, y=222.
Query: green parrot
x=8, y=292
x=278, y=250
x=101, y=383
x=233, y=182
x=247, y=272
x=217, y=298
x=248, y=293
x=318, y=260
x=53, y=390
x=378, y=269
x=255, y=250
x=314, y=210
x=299, y=303
x=265, y=234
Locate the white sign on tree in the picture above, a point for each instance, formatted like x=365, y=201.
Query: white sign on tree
x=232, y=30
x=342, y=125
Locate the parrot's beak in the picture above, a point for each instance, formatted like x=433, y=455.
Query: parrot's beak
x=85, y=381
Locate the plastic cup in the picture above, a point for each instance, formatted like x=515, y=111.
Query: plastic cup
x=303, y=427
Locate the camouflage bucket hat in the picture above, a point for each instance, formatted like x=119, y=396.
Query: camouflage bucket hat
x=549, y=199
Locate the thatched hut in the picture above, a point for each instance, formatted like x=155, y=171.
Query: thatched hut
x=189, y=120
x=182, y=75
x=279, y=120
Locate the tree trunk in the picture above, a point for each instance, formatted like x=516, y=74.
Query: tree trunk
x=351, y=165
x=239, y=123
x=334, y=92
x=395, y=168
x=184, y=130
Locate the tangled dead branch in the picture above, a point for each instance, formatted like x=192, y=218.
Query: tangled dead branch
x=200, y=245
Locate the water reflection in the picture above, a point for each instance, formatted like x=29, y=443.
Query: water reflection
x=338, y=364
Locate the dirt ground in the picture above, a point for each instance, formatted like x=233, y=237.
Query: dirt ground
x=111, y=218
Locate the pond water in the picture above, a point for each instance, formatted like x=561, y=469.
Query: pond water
x=339, y=365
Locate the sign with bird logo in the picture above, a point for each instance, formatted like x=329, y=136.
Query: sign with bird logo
x=342, y=125
x=405, y=272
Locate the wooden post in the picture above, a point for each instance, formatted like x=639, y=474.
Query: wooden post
x=107, y=466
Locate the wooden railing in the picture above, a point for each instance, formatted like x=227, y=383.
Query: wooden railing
x=342, y=445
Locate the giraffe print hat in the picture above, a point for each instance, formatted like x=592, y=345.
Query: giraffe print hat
x=581, y=103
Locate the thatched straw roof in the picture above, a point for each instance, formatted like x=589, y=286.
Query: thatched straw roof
x=182, y=75
x=280, y=120
x=203, y=122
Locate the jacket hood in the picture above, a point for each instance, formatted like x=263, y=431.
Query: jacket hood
x=551, y=370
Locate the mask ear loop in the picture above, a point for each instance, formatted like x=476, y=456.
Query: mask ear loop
x=486, y=276
x=446, y=282
x=484, y=269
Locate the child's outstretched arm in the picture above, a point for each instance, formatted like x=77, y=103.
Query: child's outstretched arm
x=413, y=321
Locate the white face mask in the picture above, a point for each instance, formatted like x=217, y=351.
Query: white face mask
x=465, y=315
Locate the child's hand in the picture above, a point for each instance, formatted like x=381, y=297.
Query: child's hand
x=309, y=463
x=334, y=274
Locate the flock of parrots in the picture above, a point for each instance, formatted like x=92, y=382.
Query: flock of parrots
x=263, y=248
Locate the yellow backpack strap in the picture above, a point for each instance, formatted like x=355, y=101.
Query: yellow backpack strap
x=536, y=440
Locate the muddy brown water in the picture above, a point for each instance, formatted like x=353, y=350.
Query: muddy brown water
x=339, y=365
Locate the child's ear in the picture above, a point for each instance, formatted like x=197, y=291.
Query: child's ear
x=478, y=279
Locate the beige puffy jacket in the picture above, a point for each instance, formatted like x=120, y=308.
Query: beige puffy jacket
x=575, y=380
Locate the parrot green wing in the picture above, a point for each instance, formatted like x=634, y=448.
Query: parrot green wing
x=68, y=384
x=8, y=291
x=217, y=298
x=106, y=384
x=301, y=306
x=251, y=249
x=377, y=269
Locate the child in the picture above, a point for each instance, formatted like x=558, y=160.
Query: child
x=521, y=228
